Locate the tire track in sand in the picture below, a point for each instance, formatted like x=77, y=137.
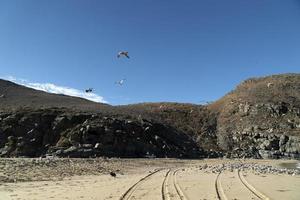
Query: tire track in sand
x=219, y=190
x=252, y=189
x=175, y=192
x=177, y=187
x=164, y=189
x=131, y=190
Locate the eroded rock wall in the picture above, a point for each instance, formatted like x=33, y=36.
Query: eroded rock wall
x=37, y=133
x=264, y=130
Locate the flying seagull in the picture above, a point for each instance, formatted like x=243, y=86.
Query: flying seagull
x=120, y=82
x=123, y=53
x=89, y=90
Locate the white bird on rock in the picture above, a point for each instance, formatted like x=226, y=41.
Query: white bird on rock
x=269, y=84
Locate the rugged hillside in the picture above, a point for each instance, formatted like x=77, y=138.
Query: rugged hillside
x=260, y=118
x=14, y=97
x=35, y=123
x=195, y=120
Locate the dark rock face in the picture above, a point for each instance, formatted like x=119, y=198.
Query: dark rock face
x=64, y=134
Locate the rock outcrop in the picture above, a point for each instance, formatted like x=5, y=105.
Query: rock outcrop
x=259, y=120
x=66, y=134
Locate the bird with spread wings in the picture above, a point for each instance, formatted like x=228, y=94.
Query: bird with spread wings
x=123, y=53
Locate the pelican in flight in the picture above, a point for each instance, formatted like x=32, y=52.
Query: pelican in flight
x=89, y=90
x=120, y=82
x=123, y=53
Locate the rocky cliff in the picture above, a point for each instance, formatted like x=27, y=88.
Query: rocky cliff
x=65, y=133
x=260, y=119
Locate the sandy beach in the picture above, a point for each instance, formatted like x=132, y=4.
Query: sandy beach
x=147, y=179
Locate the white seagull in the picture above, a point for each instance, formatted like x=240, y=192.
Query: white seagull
x=120, y=82
x=123, y=53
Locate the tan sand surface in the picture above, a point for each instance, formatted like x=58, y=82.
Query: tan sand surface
x=164, y=179
x=197, y=184
x=276, y=186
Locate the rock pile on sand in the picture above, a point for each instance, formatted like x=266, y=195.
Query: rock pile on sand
x=39, y=169
x=253, y=167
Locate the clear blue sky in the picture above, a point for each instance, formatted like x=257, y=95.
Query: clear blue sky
x=181, y=50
